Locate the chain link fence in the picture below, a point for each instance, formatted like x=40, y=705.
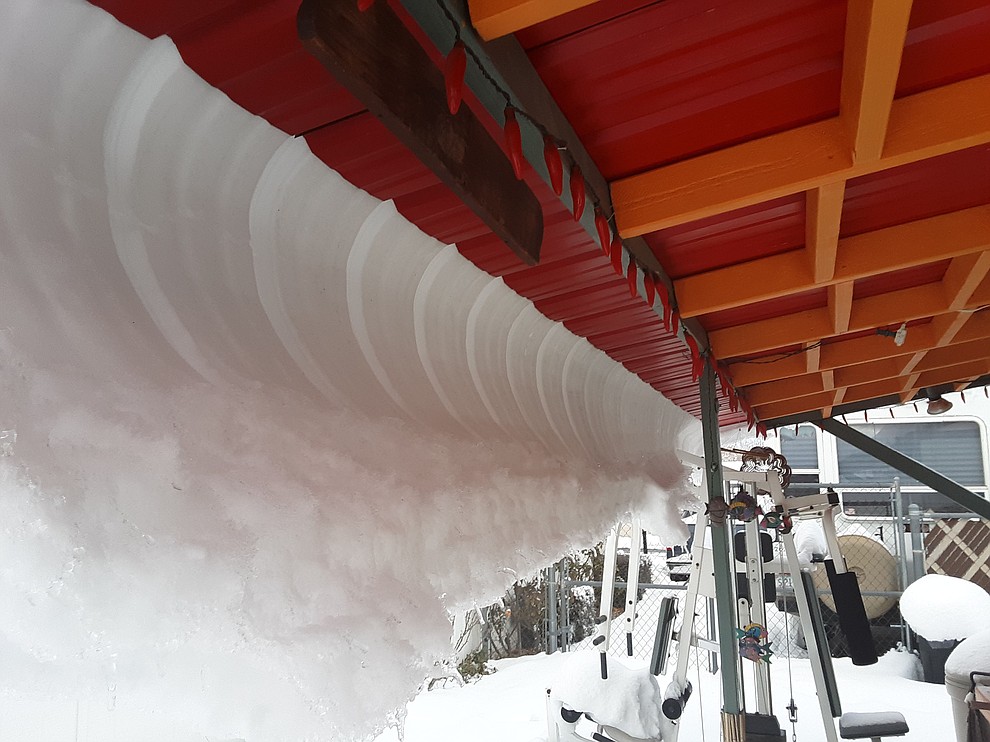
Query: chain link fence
x=884, y=549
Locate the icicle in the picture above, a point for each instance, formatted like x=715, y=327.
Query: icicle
x=631, y=279
x=453, y=75
x=513, y=141
x=577, y=192
x=555, y=167
x=604, y=233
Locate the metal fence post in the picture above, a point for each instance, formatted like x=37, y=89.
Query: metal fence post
x=917, y=549
x=553, y=626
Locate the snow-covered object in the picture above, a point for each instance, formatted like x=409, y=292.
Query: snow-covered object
x=809, y=539
x=942, y=608
x=629, y=700
x=971, y=655
x=260, y=433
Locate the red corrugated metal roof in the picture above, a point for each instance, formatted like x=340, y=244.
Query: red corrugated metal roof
x=643, y=84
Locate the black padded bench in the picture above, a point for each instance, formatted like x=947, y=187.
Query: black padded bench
x=872, y=726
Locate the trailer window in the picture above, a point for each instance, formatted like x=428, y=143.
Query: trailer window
x=954, y=449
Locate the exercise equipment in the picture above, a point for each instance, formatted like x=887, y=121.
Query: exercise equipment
x=756, y=572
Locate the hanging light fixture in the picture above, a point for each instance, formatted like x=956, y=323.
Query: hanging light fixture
x=938, y=406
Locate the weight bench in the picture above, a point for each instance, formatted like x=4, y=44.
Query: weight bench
x=872, y=726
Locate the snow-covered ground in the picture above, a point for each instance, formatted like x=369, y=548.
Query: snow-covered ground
x=510, y=705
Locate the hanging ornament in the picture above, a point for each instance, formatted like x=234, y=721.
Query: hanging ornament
x=555, y=167
x=616, y=246
x=665, y=301
x=651, y=288
x=962, y=397
x=744, y=507
x=604, y=233
x=631, y=279
x=774, y=519
x=717, y=511
x=753, y=644
x=453, y=75
x=363, y=5
x=675, y=320
x=891, y=411
x=577, y=192
x=761, y=430
x=617, y=259
x=733, y=399
x=513, y=141
x=697, y=362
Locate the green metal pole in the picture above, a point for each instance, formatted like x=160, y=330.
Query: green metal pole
x=725, y=604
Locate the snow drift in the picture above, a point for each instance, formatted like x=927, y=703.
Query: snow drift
x=267, y=432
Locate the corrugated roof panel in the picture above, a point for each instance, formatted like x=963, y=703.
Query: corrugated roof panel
x=737, y=236
x=958, y=180
x=800, y=302
x=902, y=279
x=947, y=41
x=679, y=78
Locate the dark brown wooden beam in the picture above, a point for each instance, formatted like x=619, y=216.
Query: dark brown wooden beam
x=381, y=63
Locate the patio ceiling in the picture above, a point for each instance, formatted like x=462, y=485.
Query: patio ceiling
x=802, y=174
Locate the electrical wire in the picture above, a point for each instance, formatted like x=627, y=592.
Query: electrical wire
x=782, y=356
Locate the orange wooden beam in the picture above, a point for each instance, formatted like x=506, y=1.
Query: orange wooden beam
x=937, y=121
x=865, y=373
x=867, y=313
x=840, y=304
x=902, y=246
x=823, y=215
x=872, y=390
x=958, y=327
x=495, y=18
x=871, y=60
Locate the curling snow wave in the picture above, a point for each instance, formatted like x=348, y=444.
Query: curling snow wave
x=262, y=434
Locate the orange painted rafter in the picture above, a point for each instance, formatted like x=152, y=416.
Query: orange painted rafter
x=872, y=390
x=962, y=282
x=864, y=373
x=902, y=246
x=495, y=18
x=867, y=313
x=923, y=125
x=875, y=33
x=813, y=354
x=840, y=305
x=823, y=209
x=942, y=330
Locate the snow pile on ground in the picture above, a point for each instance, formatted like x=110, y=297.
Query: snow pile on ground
x=511, y=704
x=629, y=699
x=267, y=433
x=942, y=608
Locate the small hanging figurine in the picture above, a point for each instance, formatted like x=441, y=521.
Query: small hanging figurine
x=753, y=645
x=744, y=507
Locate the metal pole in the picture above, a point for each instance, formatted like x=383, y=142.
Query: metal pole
x=553, y=628
x=733, y=720
x=917, y=548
